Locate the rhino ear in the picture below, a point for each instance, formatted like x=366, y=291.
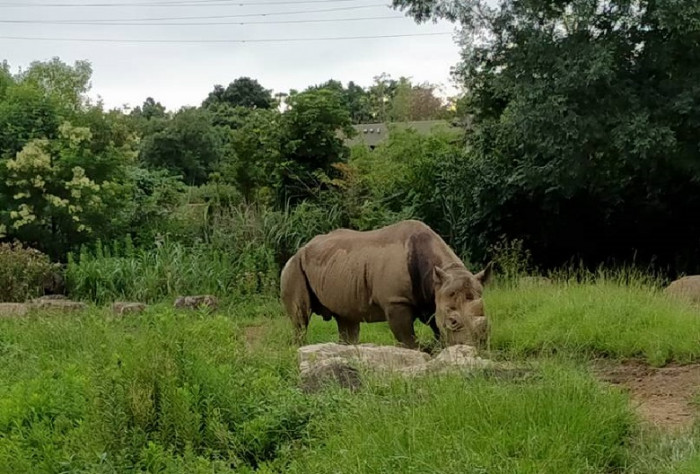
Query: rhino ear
x=485, y=275
x=439, y=276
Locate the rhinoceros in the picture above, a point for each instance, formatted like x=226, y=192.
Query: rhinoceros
x=398, y=273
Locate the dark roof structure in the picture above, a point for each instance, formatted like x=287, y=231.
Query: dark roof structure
x=373, y=134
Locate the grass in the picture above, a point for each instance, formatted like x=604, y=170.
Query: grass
x=601, y=318
x=175, y=392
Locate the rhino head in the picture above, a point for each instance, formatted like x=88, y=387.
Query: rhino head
x=459, y=308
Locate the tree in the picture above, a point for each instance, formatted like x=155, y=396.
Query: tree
x=400, y=105
x=243, y=92
x=67, y=84
x=59, y=193
x=380, y=95
x=189, y=145
x=312, y=140
x=253, y=152
x=424, y=104
x=150, y=110
x=585, y=133
x=33, y=103
x=355, y=99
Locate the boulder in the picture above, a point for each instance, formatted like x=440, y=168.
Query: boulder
x=686, y=288
x=59, y=305
x=13, y=309
x=196, y=302
x=121, y=308
x=383, y=357
x=335, y=370
x=322, y=362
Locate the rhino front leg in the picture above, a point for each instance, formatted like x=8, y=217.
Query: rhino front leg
x=349, y=331
x=400, y=317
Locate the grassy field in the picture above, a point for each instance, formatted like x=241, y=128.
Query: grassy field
x=193, y=392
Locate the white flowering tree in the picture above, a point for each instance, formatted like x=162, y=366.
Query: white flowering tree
x=63, y=192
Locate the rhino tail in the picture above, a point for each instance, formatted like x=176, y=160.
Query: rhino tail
x=296, y=297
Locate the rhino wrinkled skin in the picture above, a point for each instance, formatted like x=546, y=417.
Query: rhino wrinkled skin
x=399, y=273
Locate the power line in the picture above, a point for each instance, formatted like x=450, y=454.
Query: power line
x=181, y=3
x=210, y=41
x=242, y=23
x=211, y=17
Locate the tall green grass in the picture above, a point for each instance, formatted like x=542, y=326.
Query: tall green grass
x=236, y=251
x=102, y=275
x=559, y=422
x=615, y=315
x=176, y=392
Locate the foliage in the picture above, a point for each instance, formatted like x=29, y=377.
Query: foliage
x=253, y=153
x=243, y=92
x=149, y=110
x=401, y=178
x=355, y=99
x=121, y=272
x=312, y=140
x=63, y=191
x=188, y=145
x=585, y=134
x=24, y=272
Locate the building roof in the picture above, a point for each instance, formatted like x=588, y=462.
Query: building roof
x=372, y=134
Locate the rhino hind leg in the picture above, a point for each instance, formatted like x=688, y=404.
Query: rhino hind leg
x=348, y=331
x=294, y=292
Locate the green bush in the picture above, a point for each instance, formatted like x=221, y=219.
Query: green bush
x=24, y=272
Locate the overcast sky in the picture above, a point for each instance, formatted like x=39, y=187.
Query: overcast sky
x=178, y=74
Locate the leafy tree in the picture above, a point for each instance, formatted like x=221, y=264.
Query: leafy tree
x=67, y=84
x=355, y=99
x=400, y=105
x=585, y=135
x=424, y=104
x=312, y=140
x=26, y=113
x=380, y=95
x=254, y=148
x=243, y=92
x=60, y=194
x=188, y=145
x=150, y=109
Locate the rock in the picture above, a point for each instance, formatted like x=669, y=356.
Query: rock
x=686, y=288
x=196, y=302
x=121, y=308
x=328, y=371
x=13, y=309
x=50, y=298
x=385, y=357
x=324, y=360
x=452, y=357
x=60, y=305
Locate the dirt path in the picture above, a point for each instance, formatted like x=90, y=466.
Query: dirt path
x=663, y=396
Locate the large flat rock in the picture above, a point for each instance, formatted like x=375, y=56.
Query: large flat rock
x=319, y=363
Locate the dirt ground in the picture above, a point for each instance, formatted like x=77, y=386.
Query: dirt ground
x=662, y=396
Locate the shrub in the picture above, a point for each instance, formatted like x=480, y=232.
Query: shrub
x=24, y=272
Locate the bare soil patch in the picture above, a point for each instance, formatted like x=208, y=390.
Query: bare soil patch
x=663, y=396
